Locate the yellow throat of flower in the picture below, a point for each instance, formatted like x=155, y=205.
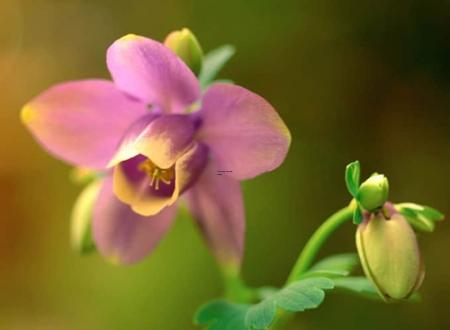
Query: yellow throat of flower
x=156, y=174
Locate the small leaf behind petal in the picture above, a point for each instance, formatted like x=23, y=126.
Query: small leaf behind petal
x=213, y=63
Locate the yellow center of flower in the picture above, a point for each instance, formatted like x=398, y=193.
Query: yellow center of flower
x=156, y=174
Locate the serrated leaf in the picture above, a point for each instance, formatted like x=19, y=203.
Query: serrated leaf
x=222, y=315
x=357, y=215
x=352, y=177
x=213, y=63
x=296, y=297
x=260, y=316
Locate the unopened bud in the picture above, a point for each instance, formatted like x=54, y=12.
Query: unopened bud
x=390, y=255
x=373, y=192
x=185, y=45
x=81, y=219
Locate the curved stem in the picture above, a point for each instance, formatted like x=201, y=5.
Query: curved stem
x=310, y=251
x=317, y=240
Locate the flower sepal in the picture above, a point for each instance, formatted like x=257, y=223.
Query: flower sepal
x=422, y=218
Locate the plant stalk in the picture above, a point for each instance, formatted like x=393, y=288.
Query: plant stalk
x=309, y=254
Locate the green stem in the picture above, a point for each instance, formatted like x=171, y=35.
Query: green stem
x=235, y=288
x=317, y=240
x=310, y=251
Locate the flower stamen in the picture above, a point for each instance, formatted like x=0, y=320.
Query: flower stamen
x=156, y=174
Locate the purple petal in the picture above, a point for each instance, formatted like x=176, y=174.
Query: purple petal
x=244, y=132
x=123, y=236
x=82, y=122
x=216, y=203
x=128, y=145
x=190, y=167
x=166, y=139
x=151, y=72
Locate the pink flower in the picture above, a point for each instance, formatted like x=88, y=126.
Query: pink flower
x=158, y=138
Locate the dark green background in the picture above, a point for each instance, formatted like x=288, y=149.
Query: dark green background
x=367, y=80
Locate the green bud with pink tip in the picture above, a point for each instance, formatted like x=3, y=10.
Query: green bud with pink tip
x=186, y=46
x=389, y=253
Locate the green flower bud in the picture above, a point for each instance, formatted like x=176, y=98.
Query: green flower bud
x=390, y=255
x=185, y=45
x=373, y=192
x=81, y=219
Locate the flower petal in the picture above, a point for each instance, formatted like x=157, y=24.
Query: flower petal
x=189, y=168
x=244, y=132
x=128, y=145
x=82, y=122
x=216, y=203
x=123, y=236
x=166, y=139
x=153, y=73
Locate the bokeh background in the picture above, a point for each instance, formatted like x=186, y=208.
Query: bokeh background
x=367, y=80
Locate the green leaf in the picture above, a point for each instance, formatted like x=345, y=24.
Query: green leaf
x=361, y=286
x=213, y=63
x=338, y=265
x=223, y=81
x=345, y=262
x=431, y=213
x=352, y=173
x=324, y=273
x=222, y=315
x=357, y=215
x=418, y=221
x=296, y=297
x=421, y=217
x=358, y=285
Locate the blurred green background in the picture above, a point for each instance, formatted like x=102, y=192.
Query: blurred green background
x=367, y=80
